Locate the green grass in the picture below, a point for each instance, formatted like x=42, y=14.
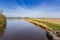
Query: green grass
x=53, y=25
x=50, y=24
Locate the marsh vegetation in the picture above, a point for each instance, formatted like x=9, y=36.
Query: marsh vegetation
x=2, y=20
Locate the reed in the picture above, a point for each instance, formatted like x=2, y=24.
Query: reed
x=2, y=20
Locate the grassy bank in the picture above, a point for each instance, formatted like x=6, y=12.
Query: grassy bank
x=2, y=20
x=51, y=25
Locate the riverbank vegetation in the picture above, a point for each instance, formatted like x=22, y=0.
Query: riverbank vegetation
x=2, y=20
x=52, y=25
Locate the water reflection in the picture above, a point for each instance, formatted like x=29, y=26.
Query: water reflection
x=2, y=29
x=22, y=30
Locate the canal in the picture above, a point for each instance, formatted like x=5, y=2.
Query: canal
x=19, y=29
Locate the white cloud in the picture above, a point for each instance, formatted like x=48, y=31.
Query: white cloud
x=41, y=11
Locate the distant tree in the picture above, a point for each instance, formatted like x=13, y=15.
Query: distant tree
x=26, y=17
x=43, y=17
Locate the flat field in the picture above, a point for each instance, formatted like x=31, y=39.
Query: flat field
x=54, y=20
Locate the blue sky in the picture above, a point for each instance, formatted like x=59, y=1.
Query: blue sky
x=31, y=8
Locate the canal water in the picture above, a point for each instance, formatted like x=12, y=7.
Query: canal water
x=19, y=29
